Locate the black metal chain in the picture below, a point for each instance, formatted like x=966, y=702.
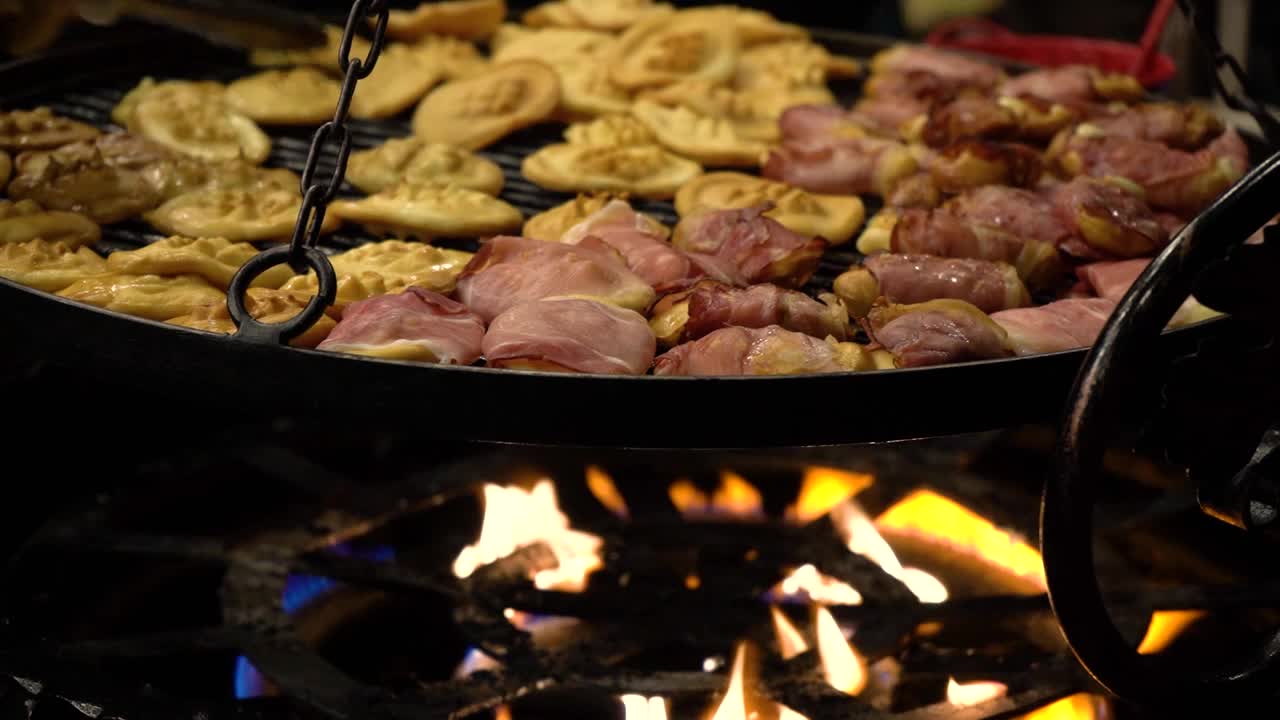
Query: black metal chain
x=1267, y=122
x=318, y=193
x=301, y=253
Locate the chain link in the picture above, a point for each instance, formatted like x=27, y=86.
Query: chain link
x=334, y=137
x=1221, y=58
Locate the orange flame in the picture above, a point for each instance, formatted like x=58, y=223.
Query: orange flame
x=945, y=522
x=974, y=693
x=604, y=490
x=734, y=704
x=502, y=713
x=639, y=707
x=515, y=518
x=790, y=642
x=1165, y=627
x=823, y=488
x=735, y=497
x=844, y=669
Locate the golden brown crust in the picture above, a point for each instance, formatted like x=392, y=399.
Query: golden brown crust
x=429, y=211
x=213, y=258
x=403, y=264
x=795, y=63
x=643, y=170
x=147, y=296
x=669, y=47
x=48, y=266
x=400, y=78
x=552, y=224
x=708, y=140
x=265, y=305
x=834, y=218
x=296, y=96
x=234, y=213
x=452, y=57
x=25, y=220
x=192, y=118
x=610, y=130
x=6, y=169
x=484, y=108
x=466, y=19
x=40, y=129
x=418, y=162
x=352, y=287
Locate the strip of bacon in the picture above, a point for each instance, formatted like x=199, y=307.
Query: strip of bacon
x=770, y=350
x=642, y=244
x=416, y=324
x=936, y=333
x=509, y=271
x=757, y=248
x=951, y=66
x=570, y=335
x=1060, y=325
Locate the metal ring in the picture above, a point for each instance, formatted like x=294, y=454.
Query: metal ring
x=248, y=328
x=1066, y=519
x=359, y=11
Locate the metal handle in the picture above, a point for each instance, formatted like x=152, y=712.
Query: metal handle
x=301, y=253
x=1066, y=520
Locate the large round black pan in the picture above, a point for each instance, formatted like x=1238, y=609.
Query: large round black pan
x=478, y=403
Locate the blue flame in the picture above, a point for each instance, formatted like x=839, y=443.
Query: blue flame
x=299, y=592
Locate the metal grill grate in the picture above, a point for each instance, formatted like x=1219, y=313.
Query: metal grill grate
x=93, y=104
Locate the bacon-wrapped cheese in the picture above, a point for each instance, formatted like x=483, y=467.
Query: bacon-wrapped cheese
x=910, y=279
x=949, y=66
x=936, y=332
x=1107, y=219
x=1174, y=180
x=709, y=306
x=642, y=243
x=947, y=232
x=758, y=248
x=1185, y=126
x=508, y=271
x=1060, y=325
x=1074, y=84
x=766, y=351
x=570, y=335
x=415, y=324
x=841, y=165
x=979, y=117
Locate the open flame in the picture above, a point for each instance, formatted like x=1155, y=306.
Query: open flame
x=734, y=498
x=790, y=642
x=515, y=518
x=1165, y=627
x=823, y=488
x=639, y=707
x=973, y=693
x=734, y=704
x=943, y=521
x=604, y=490
x=844, y=669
